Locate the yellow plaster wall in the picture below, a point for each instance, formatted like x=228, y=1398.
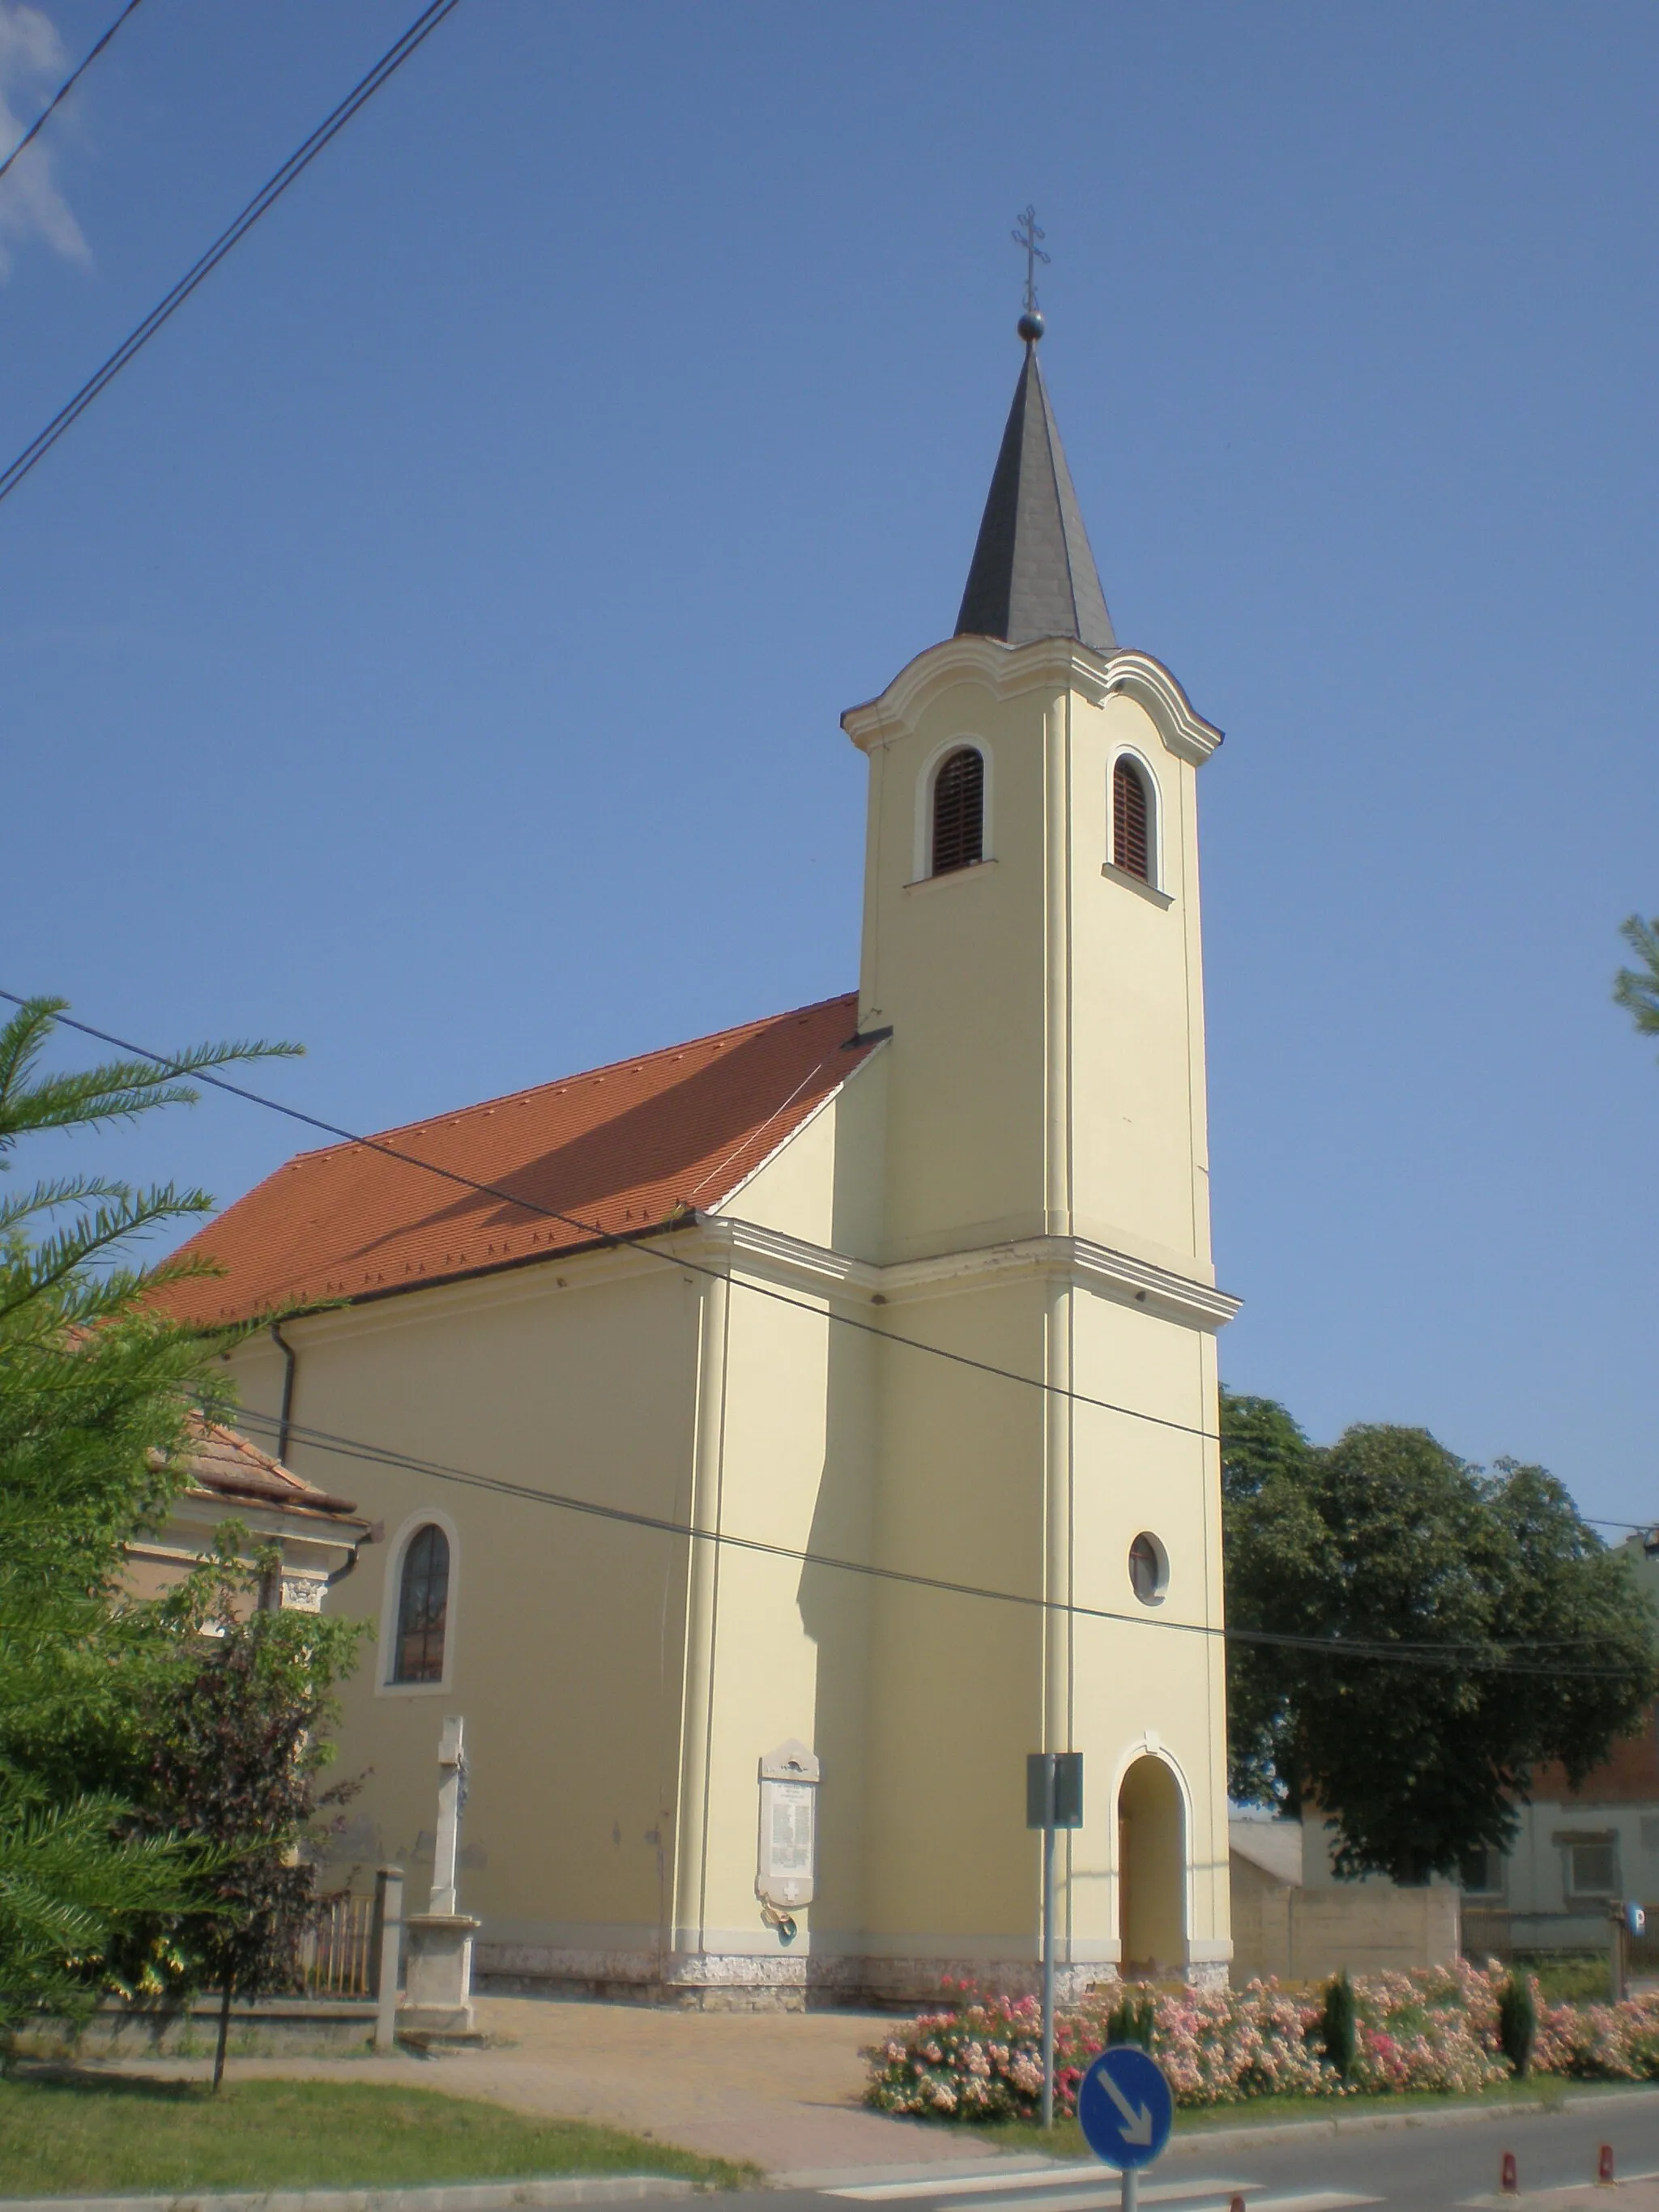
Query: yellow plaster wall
x=1139, y=1168
x=955, y=964
x=566, y=1632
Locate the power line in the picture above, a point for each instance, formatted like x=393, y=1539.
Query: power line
x=1422, y=1654
x=65, y=88
x=635, y=1241
x=623, y=1238
x=266, y=198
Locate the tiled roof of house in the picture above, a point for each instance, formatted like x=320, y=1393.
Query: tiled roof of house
x=226, y=1464
x=633, y=1147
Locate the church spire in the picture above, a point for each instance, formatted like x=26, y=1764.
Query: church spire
x=1033, y=574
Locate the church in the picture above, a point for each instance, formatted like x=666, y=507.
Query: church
x=771, y=1440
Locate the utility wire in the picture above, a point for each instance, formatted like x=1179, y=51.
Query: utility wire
x=652, y=1250
x=1421, y=1654
x=620, y=1239
x=65, y=88
x=365, y=89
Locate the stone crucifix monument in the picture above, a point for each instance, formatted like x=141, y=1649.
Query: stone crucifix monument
x=439, y=1986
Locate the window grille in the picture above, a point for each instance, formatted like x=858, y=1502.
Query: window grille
x=959, y=813
x=1131, y=849
x=423, y=1604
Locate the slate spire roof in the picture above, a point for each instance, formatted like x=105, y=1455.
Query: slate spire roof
x=1033, y=574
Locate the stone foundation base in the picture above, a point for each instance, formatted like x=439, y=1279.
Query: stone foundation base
x=742, y=1982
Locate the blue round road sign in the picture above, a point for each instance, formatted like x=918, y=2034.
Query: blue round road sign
x=1124, y=2107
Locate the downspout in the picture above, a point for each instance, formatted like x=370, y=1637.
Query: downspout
x=285, y=1416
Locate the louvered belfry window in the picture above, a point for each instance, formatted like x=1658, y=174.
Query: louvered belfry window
x=1130, y=848
x=959, y=813
x=422, y=1607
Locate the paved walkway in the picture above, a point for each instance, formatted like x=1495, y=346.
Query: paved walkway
x=782, y=2089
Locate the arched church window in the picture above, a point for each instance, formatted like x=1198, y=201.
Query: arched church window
x=1131, y=822
x=959, y=811
x=422, y=1607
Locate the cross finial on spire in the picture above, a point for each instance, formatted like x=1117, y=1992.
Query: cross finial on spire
x=1027, y=236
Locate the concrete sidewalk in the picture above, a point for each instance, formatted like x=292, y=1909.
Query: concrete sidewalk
x=781, y=2089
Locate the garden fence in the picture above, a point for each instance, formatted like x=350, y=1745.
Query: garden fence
x=336, y=1952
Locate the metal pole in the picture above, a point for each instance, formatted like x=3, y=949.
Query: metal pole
x=389, y=1902
x=1048, y=1942
x=1131, y=2189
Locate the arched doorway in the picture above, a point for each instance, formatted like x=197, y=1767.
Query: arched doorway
x=1152, y=1860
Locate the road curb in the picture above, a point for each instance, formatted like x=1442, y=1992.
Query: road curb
x=460, y=2196
x=1357, y=2123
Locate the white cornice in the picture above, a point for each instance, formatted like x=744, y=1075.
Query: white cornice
x=756, y=1249
x=1150, y=684
x=1051, y=663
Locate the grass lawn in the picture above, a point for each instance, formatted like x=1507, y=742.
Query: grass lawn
x=70, y=2134
x=1066, y=2138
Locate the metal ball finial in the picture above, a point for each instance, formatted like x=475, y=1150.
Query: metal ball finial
x=1030, y=326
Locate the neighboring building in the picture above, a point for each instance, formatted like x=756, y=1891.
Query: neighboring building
x=1578, y=1851
x=1292, y=1919
x=701, y=1288
x=317, y=1537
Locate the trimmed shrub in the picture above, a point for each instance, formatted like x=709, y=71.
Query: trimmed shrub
x=1517, y=2023
x=1132, y=2019
x=1338, y=2025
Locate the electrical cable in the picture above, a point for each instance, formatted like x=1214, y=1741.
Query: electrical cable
x=654, y=1251
x=65, y=89
x=1425, y=1653
x=366, y=86
x=628, y=1239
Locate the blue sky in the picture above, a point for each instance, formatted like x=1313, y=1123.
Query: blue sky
x=431, y=649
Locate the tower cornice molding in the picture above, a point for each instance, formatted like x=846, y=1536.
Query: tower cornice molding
x=753, y=1247
x=1058, y=663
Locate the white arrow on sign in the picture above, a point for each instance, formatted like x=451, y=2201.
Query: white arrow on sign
x=1137, y=2120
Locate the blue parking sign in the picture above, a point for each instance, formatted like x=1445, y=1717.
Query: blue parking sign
x=1124, y=2107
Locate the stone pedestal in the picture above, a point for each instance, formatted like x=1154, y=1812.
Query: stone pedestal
x=437, y=1983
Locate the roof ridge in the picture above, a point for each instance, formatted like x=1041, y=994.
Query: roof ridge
x=577, y=1075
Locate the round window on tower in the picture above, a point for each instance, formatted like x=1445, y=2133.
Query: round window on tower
x=1149, y=1569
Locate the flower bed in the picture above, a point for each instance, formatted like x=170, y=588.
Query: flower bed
x=1435, y=2029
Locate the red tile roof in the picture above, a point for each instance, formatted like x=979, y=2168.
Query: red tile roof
x=621, y=1148
x=226, y=1464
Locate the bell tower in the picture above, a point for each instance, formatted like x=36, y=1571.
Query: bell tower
x=1032, y=940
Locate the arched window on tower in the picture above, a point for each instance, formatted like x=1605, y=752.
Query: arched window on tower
x=1131, y=822
x=958, y=811
x=422, y=1607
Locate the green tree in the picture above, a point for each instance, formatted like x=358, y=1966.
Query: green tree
x=1383, y=1539
x=238, y=1748
x=96, y=1390
x=1636, y=989
x=1259, y=1440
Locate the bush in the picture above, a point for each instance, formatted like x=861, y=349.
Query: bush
x=1132, y=2019
x=1338, y=2025
x=1517, y=2023
x=1441, y=2029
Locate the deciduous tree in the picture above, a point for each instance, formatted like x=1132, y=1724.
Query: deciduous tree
x=1463, y=1627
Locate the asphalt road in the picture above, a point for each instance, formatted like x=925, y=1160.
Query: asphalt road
x=1424, y=2168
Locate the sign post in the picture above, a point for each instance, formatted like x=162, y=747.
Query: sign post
x=1054, y=1799
x=1126, y=2111
x=1629, y=1920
